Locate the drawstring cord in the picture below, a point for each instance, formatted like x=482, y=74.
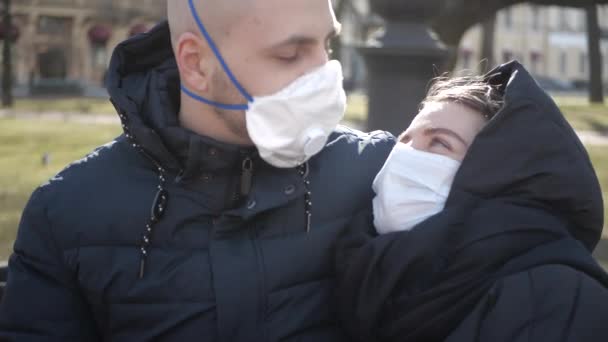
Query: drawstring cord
x=156, y=213
x=304, y=170
x=159, y=206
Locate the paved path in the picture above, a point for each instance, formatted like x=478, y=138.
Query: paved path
x=592, y=138
x=108, y=119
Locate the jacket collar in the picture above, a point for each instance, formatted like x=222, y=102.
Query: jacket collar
x=144, y=86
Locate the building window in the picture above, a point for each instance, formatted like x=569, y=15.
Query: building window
x=54, y=25
x=508, y=15
x=53, y=64
x=465, y=55
x=582, y=64
x=535, y=18
x=535, y=58
x=563, y=20
x=563, y=62
x=99, y=55
x=581, y=20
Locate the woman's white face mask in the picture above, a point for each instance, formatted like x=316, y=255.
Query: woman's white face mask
x=412, y=186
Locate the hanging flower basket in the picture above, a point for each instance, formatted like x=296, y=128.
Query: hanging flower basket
x=137, y=29
x=13, y=32
x=100, y=34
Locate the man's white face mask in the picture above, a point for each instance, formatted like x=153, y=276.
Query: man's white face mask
x=292, y=125
x=412, y=186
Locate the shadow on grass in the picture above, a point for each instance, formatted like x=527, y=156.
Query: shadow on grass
x=598, y=126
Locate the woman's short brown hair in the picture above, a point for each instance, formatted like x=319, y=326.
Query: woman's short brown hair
x=471, y=91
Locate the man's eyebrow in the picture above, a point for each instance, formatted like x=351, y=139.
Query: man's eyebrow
x=298, y=39
x=447, y=132
x=295, y=40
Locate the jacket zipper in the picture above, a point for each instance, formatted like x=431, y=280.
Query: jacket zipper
x=243, y=188
x=246, y=177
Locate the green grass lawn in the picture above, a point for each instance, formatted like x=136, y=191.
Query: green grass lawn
x=599, y=157
x=587, y=117
x=22, y=145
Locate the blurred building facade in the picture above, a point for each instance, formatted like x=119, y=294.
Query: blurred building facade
x=70, y=41
x=550, y=41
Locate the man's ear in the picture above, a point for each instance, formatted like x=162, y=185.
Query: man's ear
x=193, y=61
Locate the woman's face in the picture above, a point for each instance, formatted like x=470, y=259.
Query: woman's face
x=445, y=128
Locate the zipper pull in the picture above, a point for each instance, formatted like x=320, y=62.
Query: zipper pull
x=246, y=177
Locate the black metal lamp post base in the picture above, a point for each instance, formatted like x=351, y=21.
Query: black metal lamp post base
x=400, y=62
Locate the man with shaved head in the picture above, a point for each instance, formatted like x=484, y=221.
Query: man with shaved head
x=214, y=216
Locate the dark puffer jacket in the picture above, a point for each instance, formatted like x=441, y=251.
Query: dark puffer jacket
x=508, y=260
x=228, y=255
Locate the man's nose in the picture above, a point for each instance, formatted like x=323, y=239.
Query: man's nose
x=321, y=56
x=315, y=61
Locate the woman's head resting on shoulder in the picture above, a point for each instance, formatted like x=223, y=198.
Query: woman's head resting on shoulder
x=417, y=177
x=454, y=111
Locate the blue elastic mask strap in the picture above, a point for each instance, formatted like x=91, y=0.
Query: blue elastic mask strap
x=213, y=103
x=219, y=57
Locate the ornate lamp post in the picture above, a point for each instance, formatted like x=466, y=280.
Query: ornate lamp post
x=401, y=60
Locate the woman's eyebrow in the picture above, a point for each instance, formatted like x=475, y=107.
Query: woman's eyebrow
x=447, y=132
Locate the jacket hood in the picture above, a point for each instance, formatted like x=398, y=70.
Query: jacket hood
x=525, y=196
x=529, y=154
x=144, y=86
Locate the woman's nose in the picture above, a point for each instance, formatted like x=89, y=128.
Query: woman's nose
x=420, y=143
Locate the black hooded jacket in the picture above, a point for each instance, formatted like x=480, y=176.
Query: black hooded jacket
x=508, y=259
x=165, y=235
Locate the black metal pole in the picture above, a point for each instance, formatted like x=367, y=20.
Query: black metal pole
x=401, y=61
x=7, y=72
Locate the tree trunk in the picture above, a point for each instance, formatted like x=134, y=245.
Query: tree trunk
x=596, y=91
x=7, y=70
x=487, y=44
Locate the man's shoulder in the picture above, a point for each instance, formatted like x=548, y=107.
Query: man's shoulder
x=364, y=147
x=88, y=171
x=348, y=135
x=345, y=169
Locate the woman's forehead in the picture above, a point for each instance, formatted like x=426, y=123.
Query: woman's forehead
x=447, y=115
